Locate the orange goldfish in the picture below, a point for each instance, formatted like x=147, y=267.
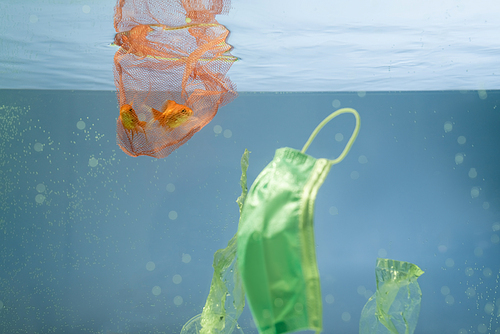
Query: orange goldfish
x=173, y=115
x=130, y=121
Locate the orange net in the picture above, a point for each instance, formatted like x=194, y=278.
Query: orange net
x=170, y=71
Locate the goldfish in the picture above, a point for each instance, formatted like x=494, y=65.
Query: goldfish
x=136, y=41
x=173, y=115
x=130, y=121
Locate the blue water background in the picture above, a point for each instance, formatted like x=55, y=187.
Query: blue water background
x=323, y=45
x=77, y=261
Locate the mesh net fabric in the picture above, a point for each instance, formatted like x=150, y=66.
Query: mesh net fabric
x=170, y=50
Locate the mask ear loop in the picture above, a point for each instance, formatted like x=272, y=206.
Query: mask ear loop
x=328, y=119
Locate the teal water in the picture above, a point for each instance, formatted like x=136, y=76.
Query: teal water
x=95, y=241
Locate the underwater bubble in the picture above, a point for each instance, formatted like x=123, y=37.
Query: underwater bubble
x=478, y=251
x=217, y=129
x=39, y=198
x=489, y=308
x=172, y=215
x=470, y=292
x=362, y=159
x=150, y=266
x=496, y=226
x=495, y=238
x=86, y=9
x=361, y=93
x=472, y=173
x=449, y=300
x=333, y=210
x=177, y=279
x=449, y=263
x=156, y=290
x=329, y=299
x=482, y=328
x=38, y=147
x=474, y=192
x=462, y=331
x=486, y=205
x=482, y=94
x=361, y=290
x=448, y=126
x=178, y=300
x=33, y=19
x=336, y=103
x=442, y=248
x=93, y=162
x=396, y=304
x=40, y=187
x=445, y=290
x=461, y=140
x=339, y=137
x=228, y=133
x=354, y=175
x=382, y=252
x=469, y=271
x=346, y=316
x=487, y=272
x=80, y=125
x=278, y=302
x=459, y=158
x=186, y=258
x=298, y=307
x=170, y=187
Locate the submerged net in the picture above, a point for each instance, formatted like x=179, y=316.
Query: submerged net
x=169, y=51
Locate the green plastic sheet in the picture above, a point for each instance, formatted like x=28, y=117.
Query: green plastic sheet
x=395, y=306
x=226, y=298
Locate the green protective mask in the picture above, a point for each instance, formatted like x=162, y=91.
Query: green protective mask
x=276, y=249
x=395, y=306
